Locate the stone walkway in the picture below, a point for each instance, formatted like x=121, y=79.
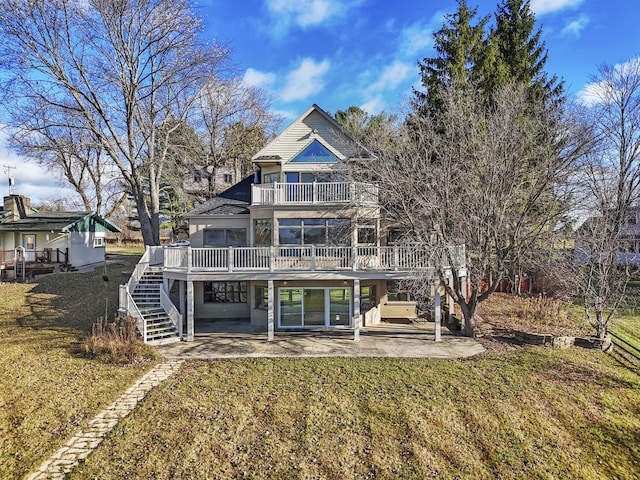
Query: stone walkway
x=85, y=441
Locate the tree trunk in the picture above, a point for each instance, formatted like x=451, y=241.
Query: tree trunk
x=149, y=235
x=469, y=323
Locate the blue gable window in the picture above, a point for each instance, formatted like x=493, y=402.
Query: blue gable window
x=315, y=152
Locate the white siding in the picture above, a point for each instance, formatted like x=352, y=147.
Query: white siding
x=82, y=251
x=300, y=134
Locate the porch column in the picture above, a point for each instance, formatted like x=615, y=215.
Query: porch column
x=190, y=321
x=270, y=313
x=436, y=311
x=183, y=301
x=356, y=309
x=452, y=306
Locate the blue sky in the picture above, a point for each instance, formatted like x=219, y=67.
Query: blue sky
x=338, y=53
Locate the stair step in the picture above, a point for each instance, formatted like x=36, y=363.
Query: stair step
x=164, y=341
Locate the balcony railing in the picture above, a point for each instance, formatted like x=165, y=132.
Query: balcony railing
x=312, y=193
x=301, y=258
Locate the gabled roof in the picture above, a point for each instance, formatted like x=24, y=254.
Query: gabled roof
x=58, y=222
x=312, y=127
x=233, y=201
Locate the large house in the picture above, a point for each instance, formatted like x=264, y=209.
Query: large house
x=34, y=242
x=295, y=246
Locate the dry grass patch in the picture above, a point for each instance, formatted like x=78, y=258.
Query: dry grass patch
x=46, y=391
x=117, y=342
x=534, y=413
x=531, y=314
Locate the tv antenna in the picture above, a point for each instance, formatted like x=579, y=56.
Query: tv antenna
x=7, y=170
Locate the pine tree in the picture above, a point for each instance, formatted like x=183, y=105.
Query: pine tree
x=459, y=45
x=514, y=53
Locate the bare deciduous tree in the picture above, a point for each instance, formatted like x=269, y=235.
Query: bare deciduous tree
x=126, y=67
x=484, y=175
x=606, y=244
x=233, y=120
x=75, y=152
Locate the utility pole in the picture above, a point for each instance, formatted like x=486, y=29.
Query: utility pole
x=7, y=170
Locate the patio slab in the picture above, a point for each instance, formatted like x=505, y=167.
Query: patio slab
x=233, y=340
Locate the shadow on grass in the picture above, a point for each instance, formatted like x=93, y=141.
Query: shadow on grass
x=72, y=302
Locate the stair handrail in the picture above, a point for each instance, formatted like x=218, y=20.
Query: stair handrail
x=139, y=270
x=171, y=310
x=131, y=308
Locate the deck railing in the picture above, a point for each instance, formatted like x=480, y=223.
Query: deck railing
x=47, y=255
x=316, y=192
x=302, y=258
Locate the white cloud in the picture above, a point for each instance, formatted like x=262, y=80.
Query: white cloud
x=256, y=78
x=416, y=39
x=391, y=76
x=540, y=7
x=306, y=80
x=32, y=180
x=374, y=105
x=597, y=92
x=576, y=26
x=591, y=94
x=306, y=13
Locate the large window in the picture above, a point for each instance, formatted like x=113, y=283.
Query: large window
x=261, y=298
x=225, y=237
x=262, y=232
x=314, y=231
x=225, y=292
x=271, y=177
x=395, y=292
x=366, y=232
x=368, y=298
x=395, y=235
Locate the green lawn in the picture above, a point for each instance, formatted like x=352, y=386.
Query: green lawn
x=510, y=413
x=47, y=392
x=531, y=413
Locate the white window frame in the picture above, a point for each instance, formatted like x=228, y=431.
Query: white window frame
x=327, y=307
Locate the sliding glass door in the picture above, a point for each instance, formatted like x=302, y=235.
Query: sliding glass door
x=314, y=307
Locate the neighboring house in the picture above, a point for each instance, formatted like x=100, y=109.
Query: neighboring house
x=588, y=240
x=293, y=247
x=205, y=181
x=36, y=242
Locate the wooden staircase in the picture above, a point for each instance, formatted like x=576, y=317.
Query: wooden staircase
x=146, y=295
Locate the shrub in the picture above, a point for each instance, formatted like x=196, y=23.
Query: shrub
x=117, y=342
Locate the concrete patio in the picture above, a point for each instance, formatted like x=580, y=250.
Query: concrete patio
x=240, y=340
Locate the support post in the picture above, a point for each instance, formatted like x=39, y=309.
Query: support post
x=437, y=312
x=183, y=310
x=123, y=304
x=190, y=319
x=270, y=313
x=356, y=309
x=452, y=306
x=272, y=257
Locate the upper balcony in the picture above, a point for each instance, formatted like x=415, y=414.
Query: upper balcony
x=314, y=193
x=303, y=258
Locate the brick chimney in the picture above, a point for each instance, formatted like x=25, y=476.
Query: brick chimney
x=18, y=205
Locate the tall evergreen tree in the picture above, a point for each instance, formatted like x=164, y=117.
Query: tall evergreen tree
x=514, y=53
x=459, y=45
